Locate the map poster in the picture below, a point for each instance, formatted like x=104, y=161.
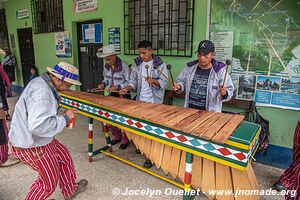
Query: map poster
x=265, y=43
x=266, y=34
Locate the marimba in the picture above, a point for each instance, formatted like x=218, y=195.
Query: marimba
x=219, y=146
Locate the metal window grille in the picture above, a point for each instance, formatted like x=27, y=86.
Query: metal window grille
x=4, y=42
x=47, y=16
x=168, y=24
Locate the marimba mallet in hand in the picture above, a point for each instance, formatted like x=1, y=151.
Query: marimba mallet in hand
x=228, y=63
x=156, y=67
x=93, y=90
x=169, y=68
x=147, y=68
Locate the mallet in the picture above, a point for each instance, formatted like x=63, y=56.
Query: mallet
x=228, y=63
x=169, y=68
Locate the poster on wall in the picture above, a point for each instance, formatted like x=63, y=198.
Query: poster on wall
x=92, y=33
x=22, y=14
x=63, y=44
x=81, y=6
x=278, y=92
x=265, y=44
x=114, y=37
x=223, y=45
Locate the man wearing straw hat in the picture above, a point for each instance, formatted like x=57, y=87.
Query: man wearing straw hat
x=35, y=123
x=116, y=76
x=204, y=81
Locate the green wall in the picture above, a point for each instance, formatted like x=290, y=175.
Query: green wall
x=282, y=122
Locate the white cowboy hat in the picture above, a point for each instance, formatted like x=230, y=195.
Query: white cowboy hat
x=2, y=52
x=65, y=72
x=107, y=50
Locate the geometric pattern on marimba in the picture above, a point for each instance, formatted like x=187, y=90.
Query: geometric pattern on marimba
x=237, y=156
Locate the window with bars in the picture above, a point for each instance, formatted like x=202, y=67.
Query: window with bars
x=47, y=16
x=4, y=42
x=168, y=24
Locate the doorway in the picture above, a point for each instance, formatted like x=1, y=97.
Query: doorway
x=89, y=35
x=26, y=52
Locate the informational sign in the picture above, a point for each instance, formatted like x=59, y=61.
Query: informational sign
x=22, y=14
x=92, y=33
x=223, y=45
x=81, y=6
x=269, y=91
x=63, y=44
x=114, y=38
x=264, y=42
x=278, y=92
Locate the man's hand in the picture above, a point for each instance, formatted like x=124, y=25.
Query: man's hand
x=7, y=117
x=71, y=113
x=176, y=87
x=153, y=82
x=223, y=91
x=126, y=89
x=101, y=86
x=2, y=113
x=113, y=89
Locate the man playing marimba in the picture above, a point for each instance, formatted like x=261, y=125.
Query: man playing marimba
x=202, y=80
x=116, y=76
x=147, y=78
x=34, y=125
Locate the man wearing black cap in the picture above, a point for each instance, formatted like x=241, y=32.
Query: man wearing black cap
x=202, y=81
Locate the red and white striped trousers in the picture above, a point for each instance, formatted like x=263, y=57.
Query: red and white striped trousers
x=54, y=164
x=291, y=177
x=4, y=147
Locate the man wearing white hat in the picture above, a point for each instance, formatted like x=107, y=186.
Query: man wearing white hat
x=116, y=75
x=35, y=123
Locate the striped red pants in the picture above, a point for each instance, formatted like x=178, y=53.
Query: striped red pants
x=4, y=147
x=54, y=165
x=291, y=177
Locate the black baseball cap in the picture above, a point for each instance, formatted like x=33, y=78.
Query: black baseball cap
x=205, y=47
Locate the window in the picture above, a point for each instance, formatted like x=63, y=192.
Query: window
x=168, y=24
x=47, y=16
x=3, y=30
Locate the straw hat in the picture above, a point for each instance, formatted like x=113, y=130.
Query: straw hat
x=2, y=52
x=107, y=50
x=65, y=72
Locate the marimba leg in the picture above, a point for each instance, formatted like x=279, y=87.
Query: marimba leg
x=90, y=140
x=107, y=136
x=188, y=175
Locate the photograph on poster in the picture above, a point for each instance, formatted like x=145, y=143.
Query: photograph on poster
x=268, y=83
x=246, y=89
x=235, y=81
x=290, y=85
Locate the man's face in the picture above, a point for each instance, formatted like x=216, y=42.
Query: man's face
x=145, y=54
x=205, y=60
x=111, y=60
x=32, y=71
x=61, y=85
